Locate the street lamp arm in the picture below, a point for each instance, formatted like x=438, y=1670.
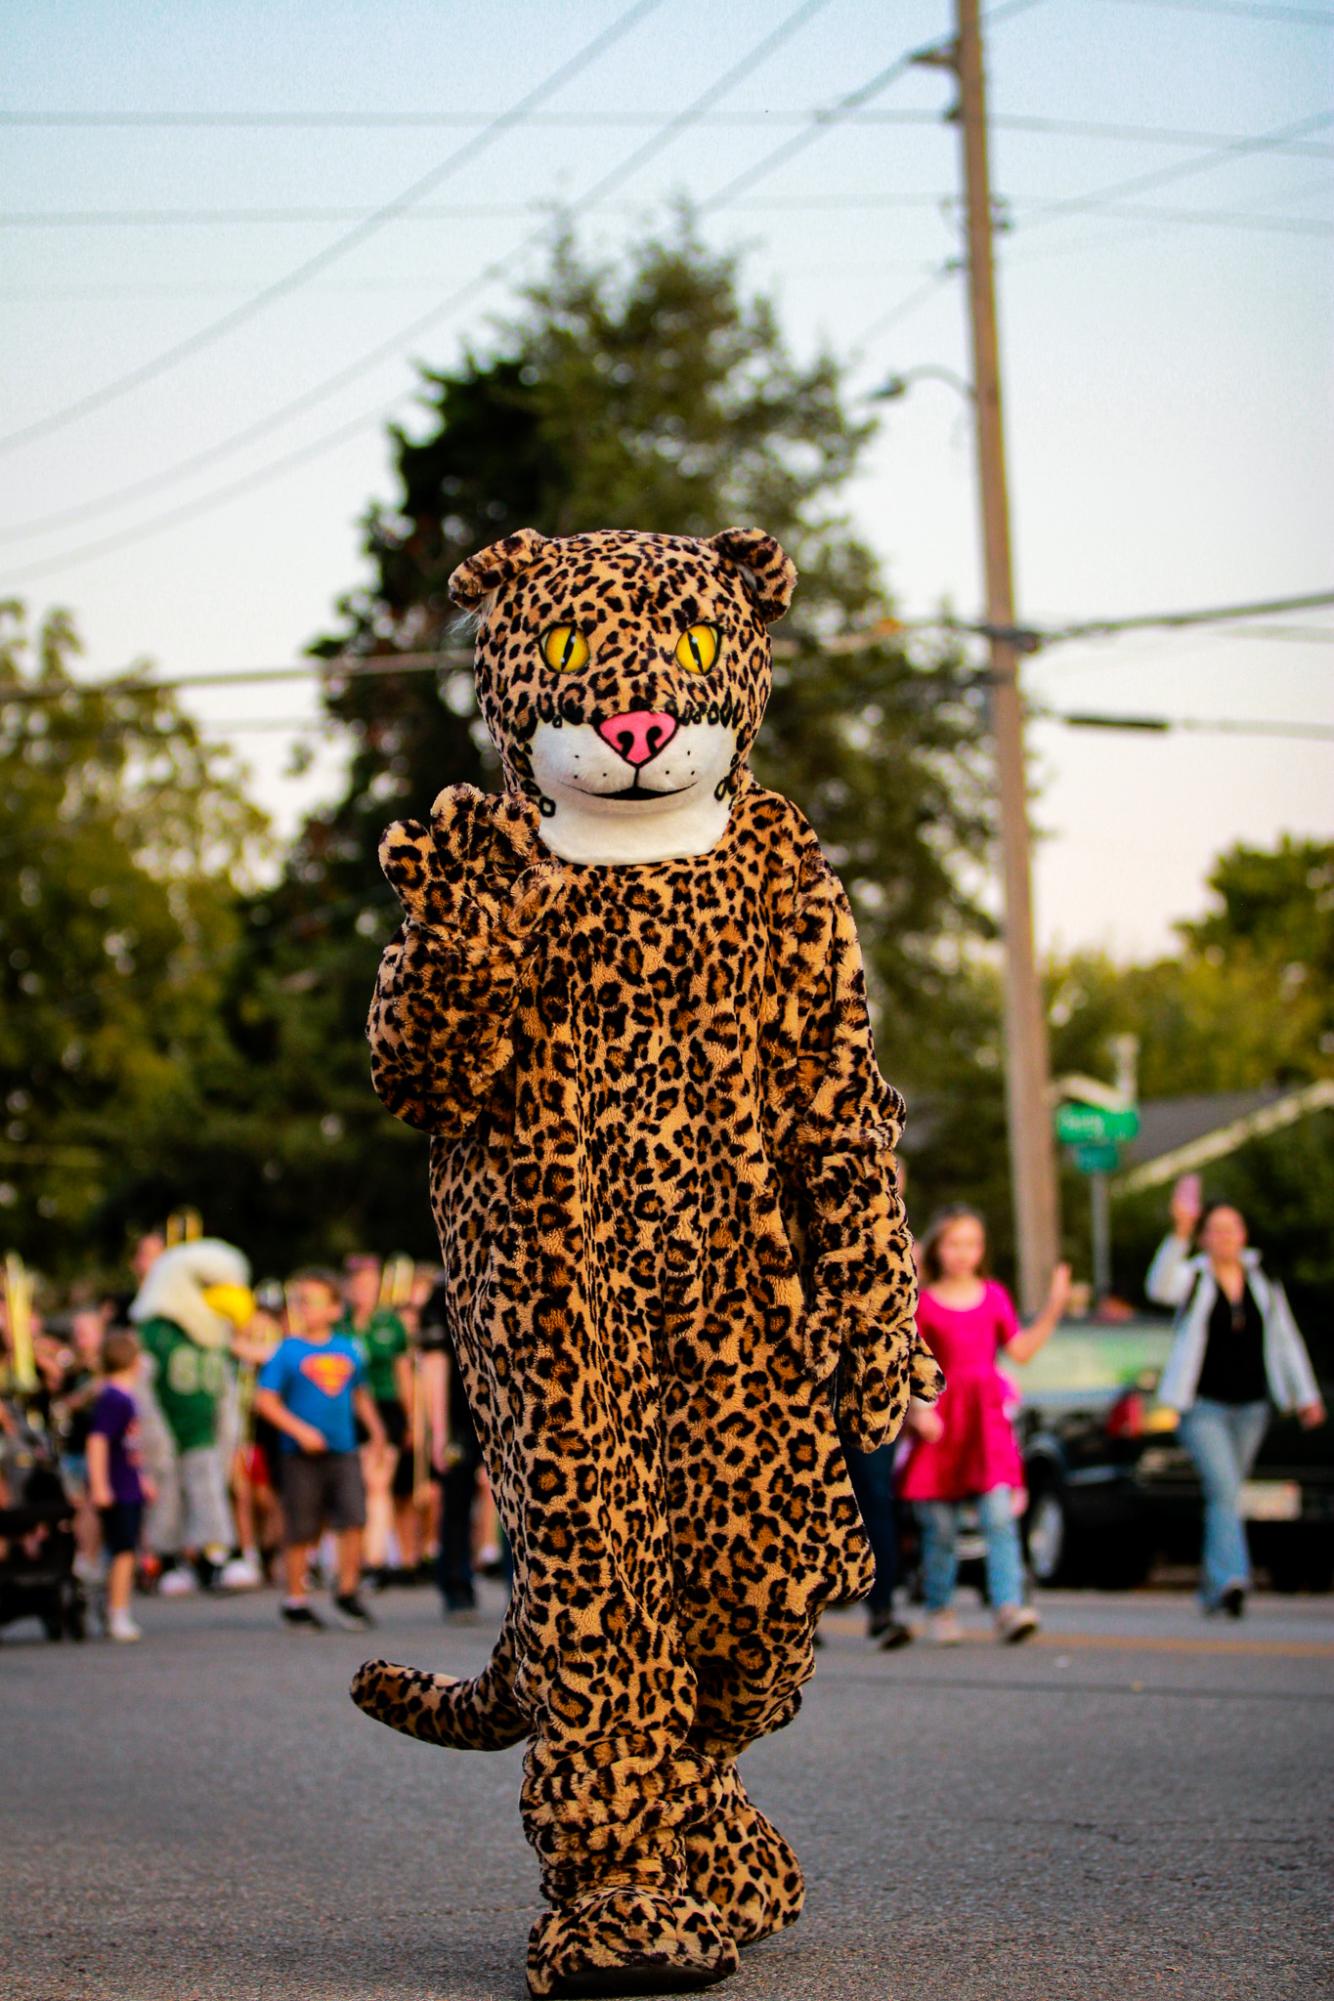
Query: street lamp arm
x=899, y=385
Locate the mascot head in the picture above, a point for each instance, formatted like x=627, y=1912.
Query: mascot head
x=623, y=678
x=203, y=1286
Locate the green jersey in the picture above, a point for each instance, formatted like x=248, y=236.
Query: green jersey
x=189, y=1383
x=381, y=1341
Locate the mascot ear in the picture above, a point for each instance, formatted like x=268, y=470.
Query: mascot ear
x=769, y=576
x=490, y=568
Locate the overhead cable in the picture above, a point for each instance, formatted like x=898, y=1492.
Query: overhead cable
x=205, y=336
x=393, y=345
x=880, y=632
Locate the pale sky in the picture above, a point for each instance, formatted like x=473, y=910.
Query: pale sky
x=1167, y=355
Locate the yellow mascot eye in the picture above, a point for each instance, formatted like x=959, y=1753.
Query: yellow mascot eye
x=697, y=649
x=565, y=648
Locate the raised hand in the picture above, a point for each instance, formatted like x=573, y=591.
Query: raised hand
x=1186, y=1205
x=1058, y=1293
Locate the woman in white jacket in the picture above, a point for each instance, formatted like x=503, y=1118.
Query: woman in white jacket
x=1237, y=1351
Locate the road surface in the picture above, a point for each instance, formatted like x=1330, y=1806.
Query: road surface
x=1135, y=1807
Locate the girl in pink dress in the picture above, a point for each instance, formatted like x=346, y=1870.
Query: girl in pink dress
x=965, y=1448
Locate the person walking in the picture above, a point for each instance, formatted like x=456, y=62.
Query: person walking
x=1237, y=1353
x=965, y=1448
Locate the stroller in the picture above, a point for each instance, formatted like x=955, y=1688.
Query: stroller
x=37, y=1579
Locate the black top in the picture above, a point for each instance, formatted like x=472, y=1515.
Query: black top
x=435, y=1336
x=1234, y=1355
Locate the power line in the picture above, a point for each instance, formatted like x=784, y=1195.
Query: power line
x=598, y=118
x=722, y=197
x=1280, y=225
x=666, y=132
x=756, y=204
x=1301, y=635
x=319, y=391
x=172, y=357
x=225, y=728
x=1180, y=170
x=1303, y=17
x=357, y=666
x=1105, y=628
x=427, y=212
x=900, y=310
x=1210, y=725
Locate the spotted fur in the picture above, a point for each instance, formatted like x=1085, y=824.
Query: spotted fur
x=662, y=1170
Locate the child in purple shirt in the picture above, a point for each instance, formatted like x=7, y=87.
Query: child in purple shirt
x=116, y=1487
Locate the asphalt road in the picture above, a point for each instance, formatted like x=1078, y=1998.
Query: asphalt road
x=1135, y=1807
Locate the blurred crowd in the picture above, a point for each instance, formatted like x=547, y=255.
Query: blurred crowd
x=191, y=1433
x=192, y=1426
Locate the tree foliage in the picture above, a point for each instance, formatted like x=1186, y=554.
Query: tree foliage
x=123, y=838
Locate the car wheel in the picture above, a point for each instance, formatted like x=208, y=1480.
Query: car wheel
x=1122, y=1565
x=1299, y=1563
x=1047, y=1533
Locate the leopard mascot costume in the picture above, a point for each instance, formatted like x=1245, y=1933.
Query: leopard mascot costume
x=628, y=1006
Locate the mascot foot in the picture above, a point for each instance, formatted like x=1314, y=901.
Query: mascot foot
x=742, y=1864
x=629, y=1941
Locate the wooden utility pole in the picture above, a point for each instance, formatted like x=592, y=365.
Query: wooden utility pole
x=1027, y=1074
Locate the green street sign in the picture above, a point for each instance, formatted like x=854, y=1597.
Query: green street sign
x=1097, y=1158
x=1078, y=1123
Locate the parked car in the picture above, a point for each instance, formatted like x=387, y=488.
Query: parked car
x=1111, y=1488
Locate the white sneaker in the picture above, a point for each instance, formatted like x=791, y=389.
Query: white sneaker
x=120, y=1626
x=178, y=1583
x=1015, y=1623
x=240, y=1573
x=943, y=1629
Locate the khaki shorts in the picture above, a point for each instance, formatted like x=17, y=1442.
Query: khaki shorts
x=321, y=1490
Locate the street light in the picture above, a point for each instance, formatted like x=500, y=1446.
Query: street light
x=896, y=386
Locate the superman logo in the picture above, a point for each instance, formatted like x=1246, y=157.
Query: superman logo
x=329, y=1373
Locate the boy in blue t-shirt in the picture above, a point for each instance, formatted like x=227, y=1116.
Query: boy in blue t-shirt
x=312, y=1389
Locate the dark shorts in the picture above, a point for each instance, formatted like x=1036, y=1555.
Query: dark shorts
x=321, y=1491
x=121, y=1524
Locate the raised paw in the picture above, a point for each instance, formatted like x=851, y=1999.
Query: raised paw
x=476, y=870
x=629, y=1940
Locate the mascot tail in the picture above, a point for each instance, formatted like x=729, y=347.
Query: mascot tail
x=477, y=1715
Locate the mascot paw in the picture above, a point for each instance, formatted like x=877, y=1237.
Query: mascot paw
x=629, y=1941
x=742, y=1864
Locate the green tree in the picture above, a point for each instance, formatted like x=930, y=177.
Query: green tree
x=1246, y=1004
x=123, y=838
x=653, y=394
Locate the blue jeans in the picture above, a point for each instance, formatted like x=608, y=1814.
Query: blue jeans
x=872, y=1477
x=1223, y=1439
x=940, y=1559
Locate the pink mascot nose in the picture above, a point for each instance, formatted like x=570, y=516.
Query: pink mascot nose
x=638, y=735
